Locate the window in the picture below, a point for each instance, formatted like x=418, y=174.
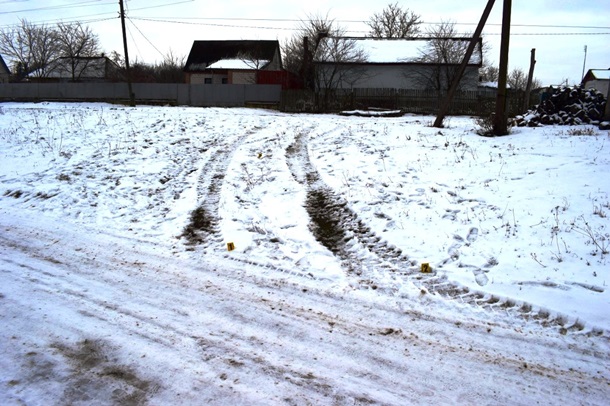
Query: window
x=207, y=81
x=225, y=81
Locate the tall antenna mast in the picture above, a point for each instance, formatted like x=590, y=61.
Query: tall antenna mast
x=583, y=64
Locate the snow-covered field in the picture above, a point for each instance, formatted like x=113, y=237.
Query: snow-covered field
x=117, y=285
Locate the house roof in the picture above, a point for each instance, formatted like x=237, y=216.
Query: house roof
x=204, y=54
x=3, y=65
x=403, y=50
x=598, y=74
x=87, y=67
x=238, y=64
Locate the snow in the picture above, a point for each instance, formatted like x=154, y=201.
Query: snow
x=493, y=85
x=105, y=298
x=601, y=74
x=391, y=51
x=238, y=64
x=394, y=50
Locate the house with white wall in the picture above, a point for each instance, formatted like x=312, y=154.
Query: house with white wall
x=598, y=79
x=396, y=64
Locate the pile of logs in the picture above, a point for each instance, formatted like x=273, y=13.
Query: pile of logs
x=565, y=106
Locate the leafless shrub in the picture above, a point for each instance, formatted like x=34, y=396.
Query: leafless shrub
x=596, y=237
x=582, y=131
x=485, y=125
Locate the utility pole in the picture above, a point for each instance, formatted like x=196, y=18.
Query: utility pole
x=308, y=56
x=132, y=96
x=456, y=80
x=501, y=119
x=583, y=64
x=607, y=113
x=530, y=78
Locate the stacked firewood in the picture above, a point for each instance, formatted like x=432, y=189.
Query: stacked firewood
x=565, y=106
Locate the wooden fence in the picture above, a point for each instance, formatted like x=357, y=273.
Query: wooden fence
x=476, y=103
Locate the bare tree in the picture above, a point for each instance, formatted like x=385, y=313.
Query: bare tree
x=446, y=45
x=338, y=60
x=321, y=55
x=517, y=78
x=442, y=55
x=171, y=69
x=489, y=73
x=31, y=49
x=394, y=22
x=304, y=43
x=78, y=46
x=253, y=58
x=142, y=72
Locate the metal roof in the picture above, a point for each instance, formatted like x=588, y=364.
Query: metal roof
x=205, y=53
x=3, y=65
x=404, y=50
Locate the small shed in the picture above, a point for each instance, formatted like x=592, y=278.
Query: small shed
x=598, y=79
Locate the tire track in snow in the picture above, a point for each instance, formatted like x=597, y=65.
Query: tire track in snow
x=203, y=227
x=336, y=226
x=378, y=265
x=230, y=329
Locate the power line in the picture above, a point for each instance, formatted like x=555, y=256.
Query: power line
x=13, y=1
x=145, y=37
x=157, y=20
x=90, y=3
x=551, y=34
x=87, y=3
x=213, y=24
x=161, y=5
x=365, y=21
x=198, y=20
x=79, y=18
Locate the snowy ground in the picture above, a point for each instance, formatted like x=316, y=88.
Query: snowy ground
x=117, y=285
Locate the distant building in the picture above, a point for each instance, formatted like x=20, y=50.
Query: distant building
x=598, y=79
x=232, y=62
x=397, y=64
x=5, y=73
x=80, y=69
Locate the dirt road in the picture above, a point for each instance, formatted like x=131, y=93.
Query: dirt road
x=93, y=318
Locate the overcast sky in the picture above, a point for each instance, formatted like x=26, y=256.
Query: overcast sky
x=558, y=29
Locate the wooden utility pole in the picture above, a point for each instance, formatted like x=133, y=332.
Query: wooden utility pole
x=530, y=78
x=307, y=61
x=132, y=96
x=607, y=113
x=501, y=119
x=456, y=80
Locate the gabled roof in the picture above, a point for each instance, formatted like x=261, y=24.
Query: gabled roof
x=3, y=65
x=597, y=74
x=85, y=67
x=238, y=64
x=205, y=53
x=403, y=50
